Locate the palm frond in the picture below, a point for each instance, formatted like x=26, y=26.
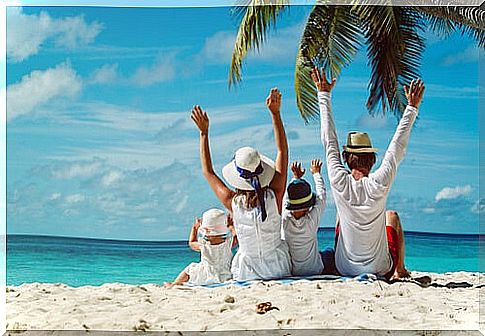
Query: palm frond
x=394, y=49
x=330, y=40
x=469, y=20
x=257, y=17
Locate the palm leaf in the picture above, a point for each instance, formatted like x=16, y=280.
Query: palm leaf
x=257, y=17
x=330, y=40
x=469, y=21
x=394, y=49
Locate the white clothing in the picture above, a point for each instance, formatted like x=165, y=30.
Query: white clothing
x=262, y=254
x=362, y=242
x=215, y=263
x=301, y=234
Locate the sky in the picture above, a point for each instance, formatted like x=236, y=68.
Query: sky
x=100, y=143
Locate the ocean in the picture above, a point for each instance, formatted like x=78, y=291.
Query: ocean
x=79, y=261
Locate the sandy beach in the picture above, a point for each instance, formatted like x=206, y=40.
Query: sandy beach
x=301, y=305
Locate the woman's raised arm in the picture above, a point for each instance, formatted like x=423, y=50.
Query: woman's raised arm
x=223, y=193
x=278, y=184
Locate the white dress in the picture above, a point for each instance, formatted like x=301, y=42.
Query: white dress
x=262, y=254
x=215, y=263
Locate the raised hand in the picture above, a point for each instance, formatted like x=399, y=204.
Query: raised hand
x=321, y=82
x=197, y=223
x=316, y=166
x=415, y=92
x=297, y=170
x=273, y=102
x=200, y=119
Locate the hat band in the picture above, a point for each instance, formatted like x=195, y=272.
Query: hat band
x=301, y=200
x=359, y=146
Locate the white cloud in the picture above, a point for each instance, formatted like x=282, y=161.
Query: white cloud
x=161, y=71
x=478, y=207
x=111, y=177
x=453, y=193
x=27, y=33
x=108, y=73
x=218, y=48
x=40, y=87
x=468, y=55
x=75, y=198
x=76, y=170
x=54, y=196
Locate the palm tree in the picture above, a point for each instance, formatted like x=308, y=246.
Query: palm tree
x=393, y=36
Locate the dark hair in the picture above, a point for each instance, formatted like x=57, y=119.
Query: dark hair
x=249, y=197
x=359, y=160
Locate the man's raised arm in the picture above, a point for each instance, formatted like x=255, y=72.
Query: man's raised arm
x=335, y=168
x=397, y=148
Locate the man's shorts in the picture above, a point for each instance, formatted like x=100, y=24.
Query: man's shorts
x=392, y=243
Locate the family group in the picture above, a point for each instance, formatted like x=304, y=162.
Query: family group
x=274, y=226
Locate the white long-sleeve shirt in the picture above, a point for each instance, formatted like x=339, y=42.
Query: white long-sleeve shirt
x=301, y=234
x=361, y=205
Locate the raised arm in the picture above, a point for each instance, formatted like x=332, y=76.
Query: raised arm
x=336, y=170
x=320, y=203
x=223, y=193
x=397, y=148
x=193, y=241
x=278, y=184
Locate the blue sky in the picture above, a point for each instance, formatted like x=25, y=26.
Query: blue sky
x=100, y=143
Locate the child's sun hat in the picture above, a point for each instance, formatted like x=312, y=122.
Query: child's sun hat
x=214, y=223
x=300, y=195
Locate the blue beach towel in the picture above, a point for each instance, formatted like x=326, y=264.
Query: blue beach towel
x=365, y=277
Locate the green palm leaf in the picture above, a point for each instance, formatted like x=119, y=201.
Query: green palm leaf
x=394, y=49
x=330, y=40
x=257, y=17
x=469, y=21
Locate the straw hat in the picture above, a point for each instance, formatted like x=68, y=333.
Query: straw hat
x=214, y=223
x=359, y=142
x=248, y=159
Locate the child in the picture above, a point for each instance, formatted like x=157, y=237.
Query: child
x=215, y=246
x=302, y=218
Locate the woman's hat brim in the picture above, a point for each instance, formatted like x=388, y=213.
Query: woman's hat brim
x=302, y=206
x=231, y=175
x=361, y=150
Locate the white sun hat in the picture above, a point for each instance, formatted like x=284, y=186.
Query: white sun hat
x=214, y=223
x=248, y=160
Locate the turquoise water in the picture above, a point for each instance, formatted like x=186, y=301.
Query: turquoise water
x=79, y=261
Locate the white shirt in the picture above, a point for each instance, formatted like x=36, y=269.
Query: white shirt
x=301, y=234
x=362, y=243
x=262, y=254
x=215, y=263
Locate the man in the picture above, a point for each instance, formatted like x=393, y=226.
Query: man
x=368, y=239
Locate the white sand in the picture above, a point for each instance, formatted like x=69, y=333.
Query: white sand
x=315, y=304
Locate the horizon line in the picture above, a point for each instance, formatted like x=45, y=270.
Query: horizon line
x=320, y=229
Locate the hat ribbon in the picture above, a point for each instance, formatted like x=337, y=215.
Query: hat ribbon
x=301, y=200
x=254, y=178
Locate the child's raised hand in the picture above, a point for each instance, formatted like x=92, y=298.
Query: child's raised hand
x=197, y=223
x=316, y=166
x=297, y=170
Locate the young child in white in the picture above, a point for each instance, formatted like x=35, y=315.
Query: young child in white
x=213, y=236
x=301, y=219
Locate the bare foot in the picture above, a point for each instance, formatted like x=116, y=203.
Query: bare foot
x=168, y=284
x=401, y=274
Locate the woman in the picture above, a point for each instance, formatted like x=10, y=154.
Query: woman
x=257, y=200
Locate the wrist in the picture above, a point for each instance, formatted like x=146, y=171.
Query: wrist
x=204, y=133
